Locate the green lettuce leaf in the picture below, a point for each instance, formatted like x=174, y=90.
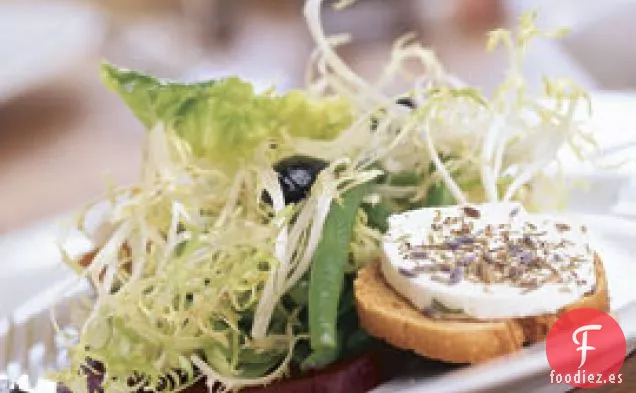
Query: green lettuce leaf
x=152, y=99
x=225, y=120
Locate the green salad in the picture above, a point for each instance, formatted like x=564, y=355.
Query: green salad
x=232, y=258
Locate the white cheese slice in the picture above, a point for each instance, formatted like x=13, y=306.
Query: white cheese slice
x=478, y=299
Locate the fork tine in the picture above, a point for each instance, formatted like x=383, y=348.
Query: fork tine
x=4, y=336
x=10, y=342
x=17, y=348
x=48, y=338
x=30, y=345
x=27, y=346
x=30, y=337
x=41, y=329
x=35, y=366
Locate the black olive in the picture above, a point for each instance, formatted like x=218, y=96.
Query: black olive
x=296, y=175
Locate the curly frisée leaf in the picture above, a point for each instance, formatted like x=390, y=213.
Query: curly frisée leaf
x=512, y=135
x=192, y=304
x=181, y=276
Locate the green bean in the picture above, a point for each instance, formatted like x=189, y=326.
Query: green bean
x=378, y=215
x=328, y=270
x=406, y=178
x=320, y=358
x=351, y=338
x=439, y=195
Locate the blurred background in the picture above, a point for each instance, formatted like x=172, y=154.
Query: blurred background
x=63, y=135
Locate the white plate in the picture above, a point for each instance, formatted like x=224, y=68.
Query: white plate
x=32, y=276
x=31, y=272
x=611, y=177
x=41, y=40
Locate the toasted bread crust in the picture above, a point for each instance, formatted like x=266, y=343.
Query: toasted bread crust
x=387, y=315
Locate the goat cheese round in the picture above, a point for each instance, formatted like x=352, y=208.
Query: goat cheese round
x=487, y=261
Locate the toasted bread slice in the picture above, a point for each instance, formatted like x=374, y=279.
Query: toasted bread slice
x=387, y=315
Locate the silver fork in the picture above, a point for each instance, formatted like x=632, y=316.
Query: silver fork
x=32, y=279
x=30, y=346
x=27, y=349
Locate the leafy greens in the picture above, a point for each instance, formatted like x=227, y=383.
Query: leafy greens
x=225, y=121
x=200, y=278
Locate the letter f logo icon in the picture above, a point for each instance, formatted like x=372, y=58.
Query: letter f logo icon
x=583, y=344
